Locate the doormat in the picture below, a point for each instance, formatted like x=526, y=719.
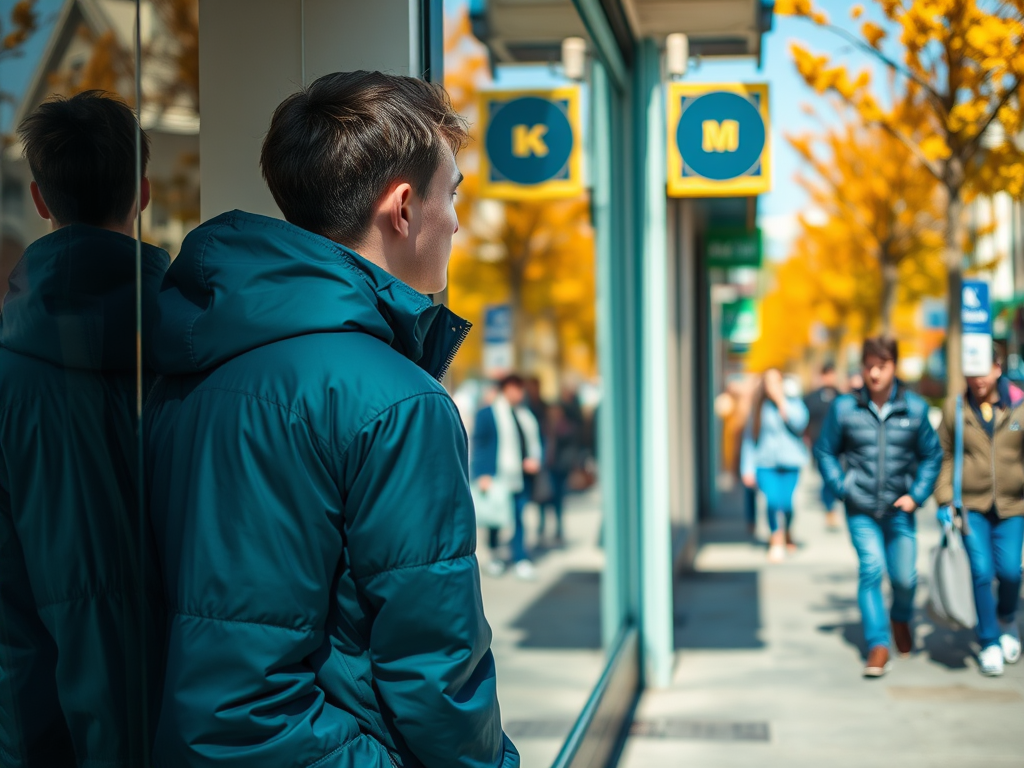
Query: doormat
x=699, y=730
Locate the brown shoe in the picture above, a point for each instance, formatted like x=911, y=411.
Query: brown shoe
x=878, y=662
x=903, y=638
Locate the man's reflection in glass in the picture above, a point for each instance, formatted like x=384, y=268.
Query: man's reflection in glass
x=76, y=620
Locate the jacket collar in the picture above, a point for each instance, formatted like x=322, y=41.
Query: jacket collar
x=243, y=281
x=898, y=397
x=72, y=298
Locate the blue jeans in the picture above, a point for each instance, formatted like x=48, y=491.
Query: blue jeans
x=886, y=544
x=994, y=547
x=559, y=484
x=778, y=486
x=827, y=497
x=517, y=546
x=750, y=505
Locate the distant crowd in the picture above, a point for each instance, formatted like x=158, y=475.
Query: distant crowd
x=522, y=450
x=879, y=455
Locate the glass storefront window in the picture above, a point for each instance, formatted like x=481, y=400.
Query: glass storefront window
x=81, y=616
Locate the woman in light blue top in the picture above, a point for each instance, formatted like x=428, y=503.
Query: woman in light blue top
x=774, y=453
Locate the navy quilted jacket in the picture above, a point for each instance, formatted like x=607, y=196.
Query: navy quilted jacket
x=884, y=459
x=311, y=503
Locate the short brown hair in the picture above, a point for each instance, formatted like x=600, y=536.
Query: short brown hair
x=335, y=148
x=82, y=155
x=882, y=347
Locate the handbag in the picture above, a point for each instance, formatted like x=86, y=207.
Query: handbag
x=493, y=506
x=951, y=592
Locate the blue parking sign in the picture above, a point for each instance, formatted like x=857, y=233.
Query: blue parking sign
x=532, y=146
x=976, y=322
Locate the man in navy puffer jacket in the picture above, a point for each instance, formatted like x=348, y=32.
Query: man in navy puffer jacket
x=309, y=474
x=893, y=458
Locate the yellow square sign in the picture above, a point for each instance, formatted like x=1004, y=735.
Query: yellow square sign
x=532, y=145
x=719, y=140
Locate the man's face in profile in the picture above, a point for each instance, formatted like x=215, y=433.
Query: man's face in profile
x=433, y=245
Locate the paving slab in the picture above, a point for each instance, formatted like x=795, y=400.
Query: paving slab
x=769, y=658
x=547, y=633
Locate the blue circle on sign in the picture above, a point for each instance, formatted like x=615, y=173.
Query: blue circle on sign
x=529, y=140
x=721, y=136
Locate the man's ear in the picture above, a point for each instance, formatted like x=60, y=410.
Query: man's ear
x=37, y=198
x=399, y=209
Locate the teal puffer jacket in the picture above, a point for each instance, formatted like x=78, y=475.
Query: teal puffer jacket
x=311, y=506
x=81, y=612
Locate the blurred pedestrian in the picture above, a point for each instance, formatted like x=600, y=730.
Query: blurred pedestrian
x=818, y=404
x=507, y=450
x=893, y=458
x=773, y=454
x=993, y=499
x=564, y=453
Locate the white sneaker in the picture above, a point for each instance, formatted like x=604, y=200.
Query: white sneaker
x=1009, y=641
x=990, y=660
x=494, y=568
x=525, y=571
x=776, y=553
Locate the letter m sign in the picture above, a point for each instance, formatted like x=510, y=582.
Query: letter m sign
x=721, y=136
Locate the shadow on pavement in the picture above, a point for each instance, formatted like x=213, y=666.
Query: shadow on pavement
x=718, y=610
x=566, y=616
x=728, y=524
x=943, y=646
x=948, y=648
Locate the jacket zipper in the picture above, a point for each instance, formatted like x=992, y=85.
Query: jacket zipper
x=456, y=345
x=880, y=492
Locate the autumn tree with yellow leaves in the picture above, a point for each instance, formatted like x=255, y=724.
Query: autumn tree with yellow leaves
x=536, y=256
x=965, y=60
x=876, y=200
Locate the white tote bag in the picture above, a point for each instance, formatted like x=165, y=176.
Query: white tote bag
x=951, y=592
x=493, y=508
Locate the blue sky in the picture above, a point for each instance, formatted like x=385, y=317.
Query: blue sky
x=779, y=207
x=15, y=72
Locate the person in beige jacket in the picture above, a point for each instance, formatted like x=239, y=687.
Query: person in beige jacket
x=993, y=501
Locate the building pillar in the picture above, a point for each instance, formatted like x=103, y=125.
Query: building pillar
x=656, y=530
x=254, y=53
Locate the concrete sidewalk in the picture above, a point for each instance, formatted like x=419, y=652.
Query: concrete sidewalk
x=769, y=668
x=547, y=634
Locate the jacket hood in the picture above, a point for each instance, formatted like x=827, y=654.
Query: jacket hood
x=243, y=281
x=72, y=299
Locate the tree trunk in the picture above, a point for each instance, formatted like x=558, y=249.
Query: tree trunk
x=955, y=277
x=836, y=337
x=890, y=285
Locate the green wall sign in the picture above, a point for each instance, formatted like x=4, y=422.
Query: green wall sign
x=731, y=248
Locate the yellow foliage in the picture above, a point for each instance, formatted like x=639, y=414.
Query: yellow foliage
x=873, y=248
x=793, y=7
x=966, y=58
x=935, y=148
x=873, y=33
x=539, y=257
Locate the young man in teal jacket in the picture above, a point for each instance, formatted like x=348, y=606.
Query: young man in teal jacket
x=81, y=616
x=309, y=480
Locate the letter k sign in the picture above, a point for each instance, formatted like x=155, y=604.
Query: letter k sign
x=529, y=140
